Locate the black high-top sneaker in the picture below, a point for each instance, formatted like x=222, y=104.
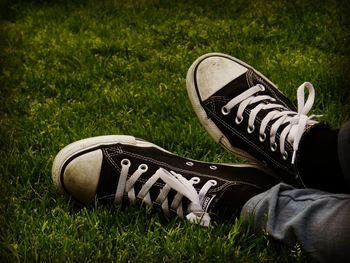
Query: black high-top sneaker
x=123, y=169
x=246, y=113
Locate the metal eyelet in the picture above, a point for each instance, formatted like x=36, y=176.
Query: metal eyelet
x=143, y=167
x=189, y=163
x=125, y=162
x=250, y=129
x=262, y=87
x=213, y=182
x=195, y=180
x=213, y=167
x=262, y=137
x=238, y=120
x=225, y=111
x=273, y=147
x=285, y=156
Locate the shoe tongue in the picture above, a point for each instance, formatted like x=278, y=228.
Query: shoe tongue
x=292, y=133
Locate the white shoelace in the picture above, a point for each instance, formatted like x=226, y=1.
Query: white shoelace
x=172, y=180
x=297, y=121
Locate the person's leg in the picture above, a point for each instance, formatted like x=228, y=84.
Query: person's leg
x=318, y=220
x=320, y=152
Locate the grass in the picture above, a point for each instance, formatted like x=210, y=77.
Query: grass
x=76, y=69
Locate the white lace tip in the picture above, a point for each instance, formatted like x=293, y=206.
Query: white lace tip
x=203, y=219
x=293, y=157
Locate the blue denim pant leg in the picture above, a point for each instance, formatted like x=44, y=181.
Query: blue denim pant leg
x=319, y=221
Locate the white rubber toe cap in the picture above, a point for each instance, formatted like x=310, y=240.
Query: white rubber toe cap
x=81, y=176
x=214, y=72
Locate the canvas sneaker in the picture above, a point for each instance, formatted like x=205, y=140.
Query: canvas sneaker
x=247, y=114
x=126, y=170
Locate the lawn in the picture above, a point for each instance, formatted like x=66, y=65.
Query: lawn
x=76, y=69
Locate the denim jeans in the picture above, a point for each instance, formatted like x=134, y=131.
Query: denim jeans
x=317, y=220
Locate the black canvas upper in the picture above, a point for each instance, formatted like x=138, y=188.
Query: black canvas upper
x=235, y=185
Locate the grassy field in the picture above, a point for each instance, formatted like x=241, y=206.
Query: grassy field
x=76, y=69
